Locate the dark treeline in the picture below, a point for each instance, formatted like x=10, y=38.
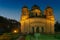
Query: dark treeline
x=57, y=27
x=7, y=25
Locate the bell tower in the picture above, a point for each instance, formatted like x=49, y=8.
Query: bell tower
x=25, y=13
x=48, y=12
x=50, y=19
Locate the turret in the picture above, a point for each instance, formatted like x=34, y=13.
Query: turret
x=48, y=11
x=25, y=13
x=25, y=10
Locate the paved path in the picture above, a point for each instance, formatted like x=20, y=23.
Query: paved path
x=21, y=38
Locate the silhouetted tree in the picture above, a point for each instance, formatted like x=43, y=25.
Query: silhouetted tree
x=6, y=25
x=3, y=24
x=14, y=24
x=57, y=27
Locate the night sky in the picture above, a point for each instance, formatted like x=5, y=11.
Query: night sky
x=12, y=8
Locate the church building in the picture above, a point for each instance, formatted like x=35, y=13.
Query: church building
x=35, y=20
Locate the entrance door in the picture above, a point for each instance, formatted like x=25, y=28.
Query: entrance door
x=32, y=29
x=37, y=29
x=42, y=29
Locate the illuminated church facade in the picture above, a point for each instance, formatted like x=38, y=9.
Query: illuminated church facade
x=35, y=20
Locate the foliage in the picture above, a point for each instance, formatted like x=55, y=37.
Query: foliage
x=6, y=25
x=57, y=27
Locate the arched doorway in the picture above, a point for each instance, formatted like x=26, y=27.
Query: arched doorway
x=37, y=29
x=32, y=29
x=42, y=29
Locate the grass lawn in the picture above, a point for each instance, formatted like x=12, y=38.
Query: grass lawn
x=43, y=37
x=37, y=36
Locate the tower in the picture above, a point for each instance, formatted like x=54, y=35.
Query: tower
x=25, y=13
x=48, y=12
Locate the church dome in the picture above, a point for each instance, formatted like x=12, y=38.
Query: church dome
x=35, y=7
x=24, y=6
x=49, y=7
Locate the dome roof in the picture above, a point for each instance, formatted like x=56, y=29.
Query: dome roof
x=48, y=7
x=35, y=7
x=24, y=6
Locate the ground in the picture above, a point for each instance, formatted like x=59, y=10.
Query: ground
x=36, y=36
x=9, y=36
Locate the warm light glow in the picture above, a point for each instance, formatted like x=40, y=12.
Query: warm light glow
x=24, y=17
x=15, y=31
x=36, y=11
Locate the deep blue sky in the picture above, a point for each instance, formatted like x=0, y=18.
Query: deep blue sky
x=12, y=8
